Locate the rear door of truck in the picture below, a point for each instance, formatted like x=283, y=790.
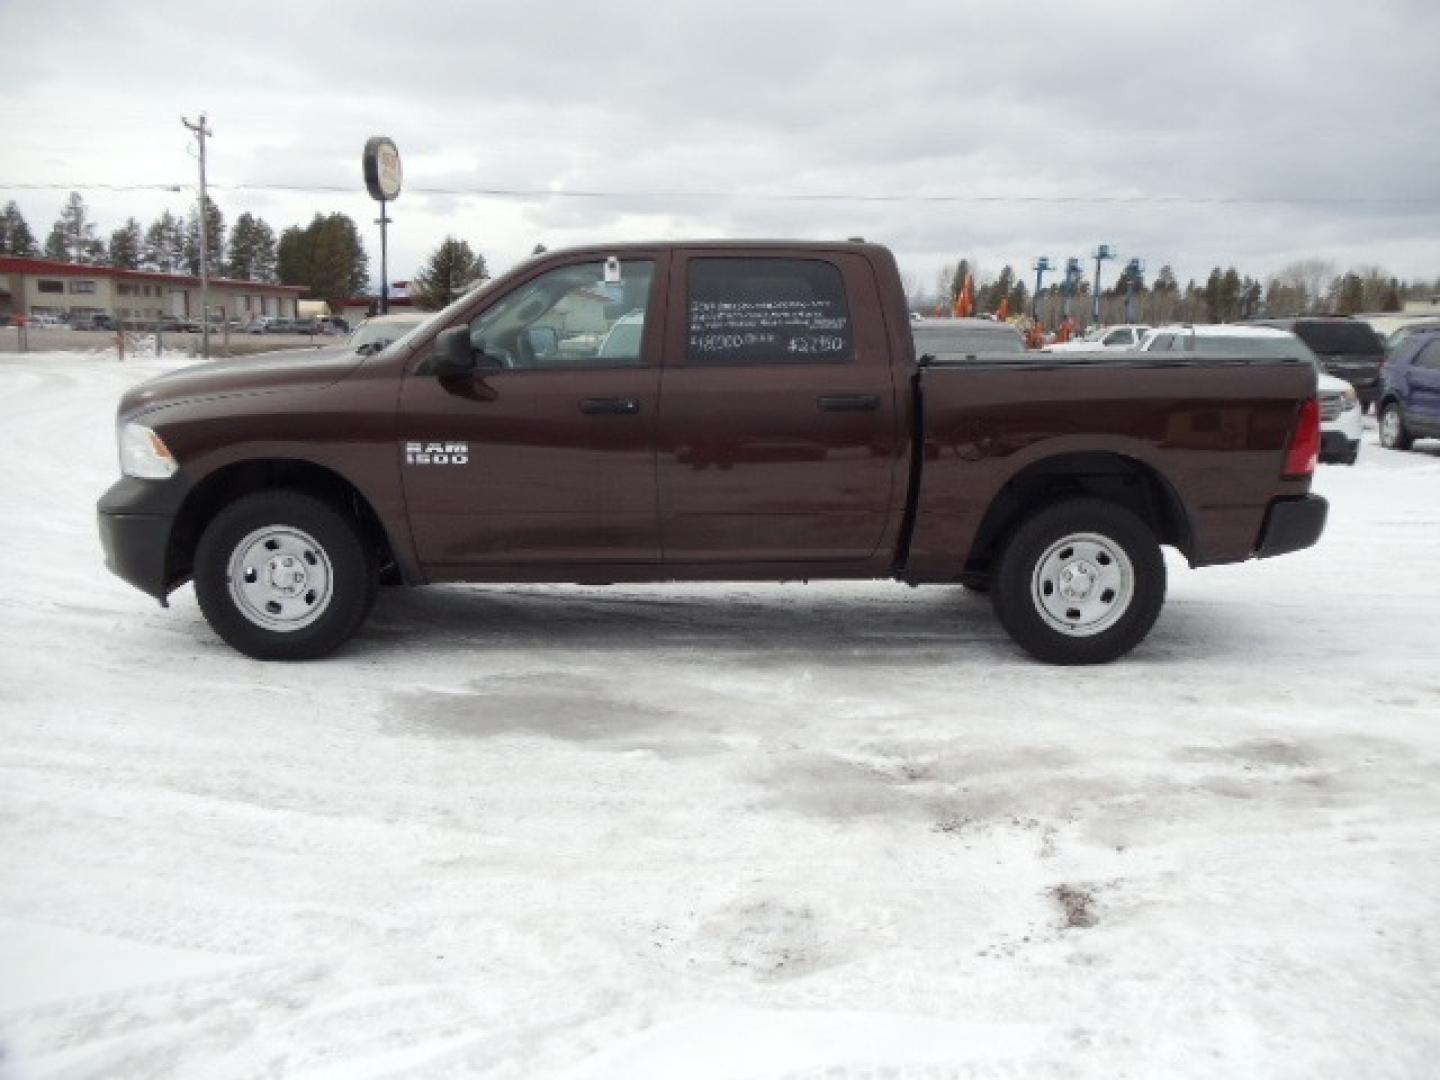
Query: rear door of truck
x=781, y=433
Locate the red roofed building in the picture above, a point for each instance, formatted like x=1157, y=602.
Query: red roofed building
x=32, y=287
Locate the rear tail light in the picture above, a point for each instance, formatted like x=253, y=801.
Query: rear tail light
x=1304, y=449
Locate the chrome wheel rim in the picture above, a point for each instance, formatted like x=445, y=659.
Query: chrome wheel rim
x=1083, y=584
x=1390, y=426
x=280, y=578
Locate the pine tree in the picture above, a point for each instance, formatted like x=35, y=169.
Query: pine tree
x=72, y=237
x=126, y=244
x=214, y=238
x=326, y=257
x=957, y=280
x=452, y=269
x=252, y=250
x=1211, y=295
x=1229, y=295
x=1350, y=296
x=165, y=244
x=15, y=235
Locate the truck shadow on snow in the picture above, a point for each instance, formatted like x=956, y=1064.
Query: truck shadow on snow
x=769, y=625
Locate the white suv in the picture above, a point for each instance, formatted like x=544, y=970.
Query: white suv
x=1340, y=423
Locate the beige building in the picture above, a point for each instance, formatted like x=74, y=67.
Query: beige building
x=30, y=287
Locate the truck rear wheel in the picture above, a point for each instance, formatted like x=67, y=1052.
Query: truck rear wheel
x=1080, y=582
x=282, y=575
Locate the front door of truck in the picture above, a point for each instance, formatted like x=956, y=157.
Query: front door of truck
x=547, y=454
x=780, y=434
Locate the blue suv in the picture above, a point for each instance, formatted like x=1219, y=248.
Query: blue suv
x=1409, y=399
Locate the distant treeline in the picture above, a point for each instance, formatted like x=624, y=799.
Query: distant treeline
x=1308, y=286
x=326, y=256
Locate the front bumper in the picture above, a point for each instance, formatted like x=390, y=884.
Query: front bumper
x=1292, y=525
x=135, y=518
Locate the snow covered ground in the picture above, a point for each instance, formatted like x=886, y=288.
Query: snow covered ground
x=724, y=831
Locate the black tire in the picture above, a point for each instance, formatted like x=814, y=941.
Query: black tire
x=1046, y=537
x=1401, y=439
x=318, y=534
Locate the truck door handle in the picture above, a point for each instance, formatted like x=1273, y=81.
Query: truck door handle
x=849, y=403
x=609, y=406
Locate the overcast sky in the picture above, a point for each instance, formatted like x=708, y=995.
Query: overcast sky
x=1307, y=109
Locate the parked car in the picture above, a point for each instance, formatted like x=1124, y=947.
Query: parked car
x=287, y=490
x=1409, y=405
x=1348, y=348
x=46, y=322
x=1340, y=413
x=259, y=325
x=964, y=339
x=1104, y=338
x=377, y=334
x=1403, y=333
x=92, y=321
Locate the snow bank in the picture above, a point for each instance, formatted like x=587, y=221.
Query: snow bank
x=838, y=830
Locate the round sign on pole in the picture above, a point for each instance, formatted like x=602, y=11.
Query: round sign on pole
x=382, y=168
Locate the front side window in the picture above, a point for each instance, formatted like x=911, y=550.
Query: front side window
x=768, y=311
x=574, y=316
x=1430, y=357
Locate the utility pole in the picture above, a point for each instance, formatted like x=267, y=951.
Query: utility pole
x=1103, y=252
x=202, y=132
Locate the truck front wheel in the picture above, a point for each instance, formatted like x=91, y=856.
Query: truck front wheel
x=1080, y=582
x=282, y=575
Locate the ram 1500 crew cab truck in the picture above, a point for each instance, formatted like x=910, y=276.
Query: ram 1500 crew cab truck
x=705, y=411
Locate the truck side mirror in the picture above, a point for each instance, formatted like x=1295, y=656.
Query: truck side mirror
x=454, y=356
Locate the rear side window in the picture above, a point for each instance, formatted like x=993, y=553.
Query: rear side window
x=767, y=311
x=1430, y=358
x=1340, y=336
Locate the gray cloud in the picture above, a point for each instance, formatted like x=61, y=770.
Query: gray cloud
x=1281, y=101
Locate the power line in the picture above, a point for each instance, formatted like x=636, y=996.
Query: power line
x=793, y=197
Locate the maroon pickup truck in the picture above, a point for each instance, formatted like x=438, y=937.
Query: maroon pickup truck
x=705, y=411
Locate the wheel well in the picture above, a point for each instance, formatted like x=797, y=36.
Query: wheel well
x=224, y=486
x=1113, y=477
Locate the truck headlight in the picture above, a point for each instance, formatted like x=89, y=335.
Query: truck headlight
x=143, y=454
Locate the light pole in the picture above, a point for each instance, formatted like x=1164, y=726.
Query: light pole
x=1133, y=269
x=1042, y=265
x=1103, y=252
x=1071, y=286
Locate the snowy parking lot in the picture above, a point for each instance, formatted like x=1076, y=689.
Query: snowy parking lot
x=801, y=831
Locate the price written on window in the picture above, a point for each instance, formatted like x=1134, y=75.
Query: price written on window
x=817, y=344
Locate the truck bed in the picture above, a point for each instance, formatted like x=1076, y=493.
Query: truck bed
x=1209, y=433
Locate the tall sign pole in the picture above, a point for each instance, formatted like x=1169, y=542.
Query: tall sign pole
x=381, y=166
x=202, y=132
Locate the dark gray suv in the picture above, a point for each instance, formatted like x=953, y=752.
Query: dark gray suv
x=1347, y=348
